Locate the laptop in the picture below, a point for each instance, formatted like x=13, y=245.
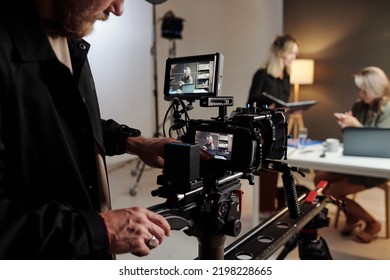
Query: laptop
x=366, y=141
x=188, y=88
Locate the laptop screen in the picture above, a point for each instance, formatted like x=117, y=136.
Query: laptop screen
x=366, y=141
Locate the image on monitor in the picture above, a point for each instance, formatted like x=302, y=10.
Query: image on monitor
x=190, y=78
x=215, y=143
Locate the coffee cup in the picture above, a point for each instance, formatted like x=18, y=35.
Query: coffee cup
x=332, y=145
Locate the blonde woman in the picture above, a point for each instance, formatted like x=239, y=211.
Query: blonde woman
x=274, y=77
x=372, y=108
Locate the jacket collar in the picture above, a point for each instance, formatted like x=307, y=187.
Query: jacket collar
x=27, y=32
x=30, y=38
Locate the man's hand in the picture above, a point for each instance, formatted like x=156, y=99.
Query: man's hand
x=151, y=150
x=134, y=230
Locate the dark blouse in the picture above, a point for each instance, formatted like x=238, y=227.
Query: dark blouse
x=263, y=82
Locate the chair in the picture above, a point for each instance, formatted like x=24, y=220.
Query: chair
x=386, y=188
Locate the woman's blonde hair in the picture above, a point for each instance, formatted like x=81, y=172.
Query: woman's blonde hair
x=373, y=81
x=281, y=45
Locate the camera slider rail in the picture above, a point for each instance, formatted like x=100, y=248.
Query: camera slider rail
x=264, y=240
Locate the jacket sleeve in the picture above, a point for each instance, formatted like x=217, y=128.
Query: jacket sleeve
x=115, y=136
x=46, y=229
x=384, y=119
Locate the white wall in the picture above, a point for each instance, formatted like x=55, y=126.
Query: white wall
x=242, y=30
x=122, y=64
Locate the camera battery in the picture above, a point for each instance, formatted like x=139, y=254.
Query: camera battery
x=181, y=163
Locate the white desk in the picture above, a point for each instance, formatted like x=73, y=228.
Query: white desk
x=310, y=158
x=337, y=162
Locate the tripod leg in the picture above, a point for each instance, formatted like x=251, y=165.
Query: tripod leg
x=314, y=249
x=139, y=170
x=136, y=169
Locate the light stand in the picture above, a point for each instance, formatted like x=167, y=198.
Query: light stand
x=155, y=79
x=295, y=120
x=172, y=27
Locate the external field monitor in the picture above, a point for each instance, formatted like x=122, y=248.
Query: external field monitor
x=193, y=77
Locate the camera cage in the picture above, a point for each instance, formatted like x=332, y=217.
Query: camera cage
x=244, y=142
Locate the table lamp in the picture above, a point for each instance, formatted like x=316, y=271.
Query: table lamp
x=302, y=73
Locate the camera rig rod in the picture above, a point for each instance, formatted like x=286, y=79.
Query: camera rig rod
x=236, y=175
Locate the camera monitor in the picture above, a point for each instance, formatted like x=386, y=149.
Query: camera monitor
x=193, y=77
x=215, y=143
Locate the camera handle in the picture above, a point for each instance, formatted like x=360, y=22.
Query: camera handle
x=289, y=186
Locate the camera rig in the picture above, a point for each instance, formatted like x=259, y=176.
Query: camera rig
x=204, y=197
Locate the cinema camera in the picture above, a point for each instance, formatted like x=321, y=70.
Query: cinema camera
x=204, y=196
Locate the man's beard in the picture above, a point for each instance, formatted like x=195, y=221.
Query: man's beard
x=74, y=19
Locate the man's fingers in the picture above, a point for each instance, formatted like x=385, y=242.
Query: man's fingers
x=160, y=221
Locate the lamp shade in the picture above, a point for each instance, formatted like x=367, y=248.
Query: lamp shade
x=302, y=71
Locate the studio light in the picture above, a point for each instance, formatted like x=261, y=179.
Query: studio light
x=171, y=26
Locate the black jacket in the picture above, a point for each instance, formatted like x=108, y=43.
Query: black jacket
x=49, y=125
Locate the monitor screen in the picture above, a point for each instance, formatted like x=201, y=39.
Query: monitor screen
x=193, y=77
x=215, y=143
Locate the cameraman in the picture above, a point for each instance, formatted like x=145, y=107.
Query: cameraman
x=54, y=201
